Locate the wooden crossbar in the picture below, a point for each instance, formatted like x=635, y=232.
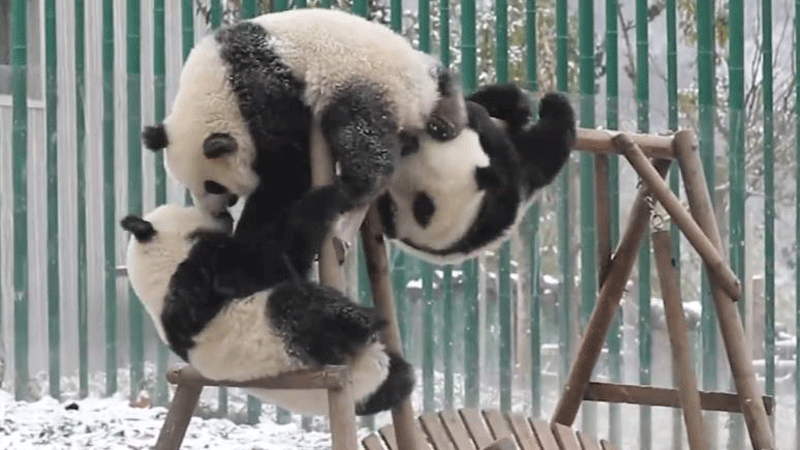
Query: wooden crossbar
x=666, y=397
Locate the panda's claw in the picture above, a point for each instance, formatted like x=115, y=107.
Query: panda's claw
x=440, y=129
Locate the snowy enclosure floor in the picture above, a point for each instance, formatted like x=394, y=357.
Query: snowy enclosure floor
x=110, y=423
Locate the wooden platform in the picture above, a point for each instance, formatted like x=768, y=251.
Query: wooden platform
x=489, y=429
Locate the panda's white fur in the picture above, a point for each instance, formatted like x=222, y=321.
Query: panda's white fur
x=444, y=170
x=205, y=104
x=326, y=49
x=240, y=342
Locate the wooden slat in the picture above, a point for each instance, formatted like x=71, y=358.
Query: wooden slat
x=523, y=432
x=506, y=443
x=435, y=431
x=498, y=424
x=373, y=442
x=456, y=429
x=544, y=434
x=588, y=442
x=476, y=427
x=565, y=437
x=387, y=433
x=607, y=445
x=653, y=396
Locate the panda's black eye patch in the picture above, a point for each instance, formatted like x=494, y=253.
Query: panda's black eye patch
x=219, y=144
x=212, y=187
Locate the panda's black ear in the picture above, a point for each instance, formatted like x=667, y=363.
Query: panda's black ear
x=219, y=144
x=155, y=137
x=140, y=228
x=487, y=178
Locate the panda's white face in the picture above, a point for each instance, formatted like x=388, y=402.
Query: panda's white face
x=445, y=173
x=160, y=241
x=208, y=146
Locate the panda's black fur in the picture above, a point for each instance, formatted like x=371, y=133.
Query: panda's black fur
x=315, y=325
x=522, y=156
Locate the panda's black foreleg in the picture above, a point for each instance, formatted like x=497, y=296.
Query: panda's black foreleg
x=361, y=130
x=308, y=222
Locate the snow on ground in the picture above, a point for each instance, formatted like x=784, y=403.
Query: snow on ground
x=110, y=423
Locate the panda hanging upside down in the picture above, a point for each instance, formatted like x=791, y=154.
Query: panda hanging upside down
x=237, y=311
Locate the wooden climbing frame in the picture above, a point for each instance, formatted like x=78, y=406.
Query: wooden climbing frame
x=651, y=156
x=700, y=228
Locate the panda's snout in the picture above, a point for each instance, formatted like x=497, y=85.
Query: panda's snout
x=232, y=199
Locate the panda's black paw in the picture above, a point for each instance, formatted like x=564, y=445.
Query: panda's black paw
x=555, y=106
x=440, y=128
x=506, y=102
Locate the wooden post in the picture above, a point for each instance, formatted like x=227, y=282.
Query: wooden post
x=606, y=307
x=711, y=256
x=602, y=211
x=683, y=365
x=322, y=173
x=378, y=268
x=178, y=416
x=342, y=417
x=733, y=336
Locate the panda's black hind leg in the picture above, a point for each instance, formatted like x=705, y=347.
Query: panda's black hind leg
x=320, y=325
x=362, y=132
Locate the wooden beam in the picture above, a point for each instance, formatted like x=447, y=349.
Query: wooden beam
x=329, y=377
x=606, y=306
x=655, y=396
x=599, y=141
x=730, y=323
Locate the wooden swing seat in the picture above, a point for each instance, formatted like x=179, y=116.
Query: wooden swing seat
x=488, y=429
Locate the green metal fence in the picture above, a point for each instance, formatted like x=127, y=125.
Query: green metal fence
x=499, y=330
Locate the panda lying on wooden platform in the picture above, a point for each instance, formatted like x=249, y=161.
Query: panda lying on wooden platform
x=237, y=311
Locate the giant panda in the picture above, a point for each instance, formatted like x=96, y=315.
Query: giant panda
x=236, y=311
x=450, y=200
x=251, y=93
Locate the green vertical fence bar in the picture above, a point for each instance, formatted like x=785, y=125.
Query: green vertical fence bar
x=215, y=16
x=472, y=318
x=447, y=339
x=643, y=121
x=53, y=293
x=364, y=298
x=159, y=106
x=447, y=279
x=187, y=41
x=797, y=223
x=535, y=267
x=533, y=230
x=248, y=9
x=587, y=217
x=674, y=175
x=736, y=174
x=564, y=245
x=19, y=148
x=615, y=360
x=399, y=281
x=504, y=255
x=360, y=8
x=396, y=19
x=424, y=8
x=109, y=200
x=135, y=315
x=472, y=377
x=428, y=342
x=80, y=133
x=705, y=84
x=769, y=202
